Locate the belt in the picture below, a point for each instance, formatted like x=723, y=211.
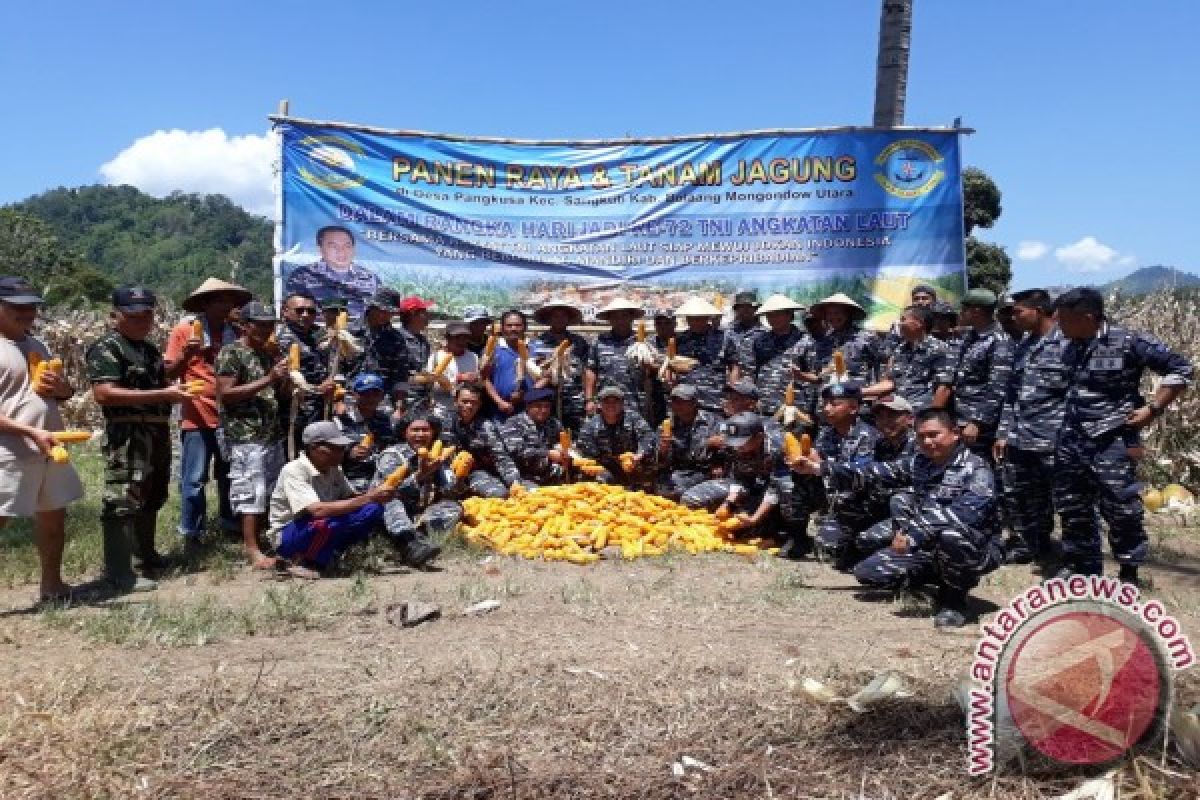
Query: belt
x=146, y=419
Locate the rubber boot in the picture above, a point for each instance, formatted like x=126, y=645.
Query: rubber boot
x=119, y=533
x=145, y=556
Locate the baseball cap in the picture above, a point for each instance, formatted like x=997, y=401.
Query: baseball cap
x=335, y=304
x=133, y=298
x=895, y=402
x=664, y=313
x=542, y=395
x=744, y=387
x=684, y=391
x=385, y=300
x=980, y=297
x=18, y=291
x=924, y=288
x=325, y=432
x=457, y=328
x=476, y=314
x=610, y=391
x=745, y=297
x=847, y=390
x=255, y=311
x=741, y=428
x=367, y=382
x=941, y=309
x=414, y=303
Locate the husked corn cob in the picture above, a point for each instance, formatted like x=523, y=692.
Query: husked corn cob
x=197, y=329
x=59, y=454
x=71, y=437
x=789, y=394
x=443, y=362
x=343, y=321
x=367, y=441
x=672, y=348
x=397, y=477
x=641, y=330
x=294, y=357
x=462, y=465
x=839, y=363
x=666, y=428
x=435, y=452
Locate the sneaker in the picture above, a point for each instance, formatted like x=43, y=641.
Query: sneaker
x=419, y=554
x=152, y=562
x=132, y=585
x=1129, y=574
x=949, y=618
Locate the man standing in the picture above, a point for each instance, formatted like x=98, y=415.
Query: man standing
x=861, y=350
x=415, y=317
x=129, y=383
x=977, y=380
x=608, y=362
x=199, y=420
x=714, y=353
x=479, y=324
x=919, y=362
x=569, y=399
x=336, y=274
x=744, y=327
x=300, y=328
x=31, y=485
x=771, y=353
x=248, y=379
x=1104, y=412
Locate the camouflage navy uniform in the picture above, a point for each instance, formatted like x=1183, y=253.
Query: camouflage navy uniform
x=1093, y=468
x=421, y=510
x=949, y=513
x=802, y=357
x=314, y=366
x=325, y=283
x=527, y=444
x=849, y=512
x=570, y=397
x=714, y=354
x=981, y=370
x=916, y=368
x=607, y=359
x=386, y=354
x=689, y=459
x=762, y=477
x=604, y=443
x=740, y=340
x=861, y=349
x=137, y=448
x=1029, y=425
x=481, y=437
x=771, y=356
x=383, y=435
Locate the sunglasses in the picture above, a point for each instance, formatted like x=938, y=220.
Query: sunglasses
x=305, y=309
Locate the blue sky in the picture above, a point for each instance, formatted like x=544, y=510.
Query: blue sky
x=1087, y=112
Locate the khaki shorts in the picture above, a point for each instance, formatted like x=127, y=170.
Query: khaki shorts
x=30, y=485
x=253, y=469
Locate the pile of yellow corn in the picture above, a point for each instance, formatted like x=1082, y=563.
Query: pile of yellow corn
x=575, y=522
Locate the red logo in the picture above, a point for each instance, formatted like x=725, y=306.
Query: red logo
x=1085, y=686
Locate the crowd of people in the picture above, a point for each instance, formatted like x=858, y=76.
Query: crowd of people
x=927, y=441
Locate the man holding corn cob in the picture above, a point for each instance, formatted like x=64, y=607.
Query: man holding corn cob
x=534, y=443
x=196, y=343
x=861, y=353
x=715, y=355
x=250, y=378
x=399, y=364
x=683, y=455
x=619, y=440
x=609, y=363
x=129, y=383
x=31, y=483
x=918, y=363
x=464, y=427
x=770, y=353
x=450, y=367
x=305, y=343
x=742, y=330
x=370, y=425
x=567, y=367
x=421, y=515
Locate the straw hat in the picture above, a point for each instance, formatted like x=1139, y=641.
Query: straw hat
x=856, y=311
x=697, y=307
x=620, y=304
x=196, y=300
x=542, y=313
x=778, y=302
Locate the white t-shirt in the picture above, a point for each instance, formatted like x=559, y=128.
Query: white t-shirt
x=300, y=485
x=19, y=402
x=465, y=364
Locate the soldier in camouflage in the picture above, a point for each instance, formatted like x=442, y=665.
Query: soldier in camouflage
x=570, y=403
x=684, y=458
x=944, y=530
x=249, y=378
x=945, y=325
x=531, y=440
x=365, y=415
x=664, y=331
x=771, y=352
x=608, y=364
x=129, y=383
x=980, y=370
x=1029, y=427
x=923, y=295
x=422, y=515
x=714, y=353
x=300, y=327
x=843, y=439
x=479, y=326
x=743, y=329
x=464, y=427
x=861, y=349
x=617, y=429
x=1104, y=413
x=415, y=318
x=336, y=274
x=918, y=363
x=385, y=349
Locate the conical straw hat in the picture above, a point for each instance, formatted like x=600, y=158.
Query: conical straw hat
x=620, y=304
x=778, y=302
x=839, y=299
x=195, y=300
x=697, y=307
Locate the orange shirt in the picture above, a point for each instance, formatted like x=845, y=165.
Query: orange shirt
x=199, y=412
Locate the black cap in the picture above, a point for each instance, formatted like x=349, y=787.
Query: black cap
x=255, y=311
x=741, y=428
x=335, y=304
x=18, y=291
x=133, y=299
x=847, y=390
x=941, y=309
x=457, y=328
x=542, y=395
x=386, y=300
x=745, y=297
x=744, y=387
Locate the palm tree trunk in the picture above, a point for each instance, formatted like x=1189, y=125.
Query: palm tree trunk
x=891, y=67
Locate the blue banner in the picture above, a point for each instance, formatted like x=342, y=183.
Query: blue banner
x=469, y=221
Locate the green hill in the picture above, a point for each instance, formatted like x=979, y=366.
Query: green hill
x=1150, y=279
x=169, y=244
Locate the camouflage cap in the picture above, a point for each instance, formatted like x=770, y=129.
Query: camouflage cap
x=980, y=298
x=132, y=299
x=610, y=391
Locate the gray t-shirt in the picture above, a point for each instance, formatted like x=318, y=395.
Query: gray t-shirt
x=19, y=402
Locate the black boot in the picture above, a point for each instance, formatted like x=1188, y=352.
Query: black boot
x=952, y=608
x=119, y=533
x=1129, y=574
x=145, y=556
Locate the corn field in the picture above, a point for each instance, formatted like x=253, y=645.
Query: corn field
x=1173, y=443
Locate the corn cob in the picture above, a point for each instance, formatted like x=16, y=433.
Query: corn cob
x=448, y=454
x=343, y=321
x=789, y=394
x=641, y=330
x=666, y=428
x=839, y=363
x=435, y=452
x=564, y=440
x=367, y=441
x=489, y=349
x=195, y=386
x=397, y=477
x=805, y=444
x=294, y=357
x=59, y=454
x=198, y=330
x=71, y=437
x=562, y=348
x=442, y=363
x=672, y=348
x=272, y=341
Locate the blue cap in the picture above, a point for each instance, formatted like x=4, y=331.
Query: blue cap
x=842, y=391
x=367, y=382
x=539, y=395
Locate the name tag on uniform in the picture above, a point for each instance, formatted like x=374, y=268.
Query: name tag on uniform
x=1106, y=359
x=953, y=479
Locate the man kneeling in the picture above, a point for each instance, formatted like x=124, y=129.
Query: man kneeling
x=315, y=514
x=944, y=531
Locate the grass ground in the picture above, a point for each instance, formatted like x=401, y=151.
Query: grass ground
x=586, y=682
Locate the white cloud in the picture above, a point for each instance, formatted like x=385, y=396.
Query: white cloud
x=1090, y=255
x=207, y=162
x=1032, y=250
